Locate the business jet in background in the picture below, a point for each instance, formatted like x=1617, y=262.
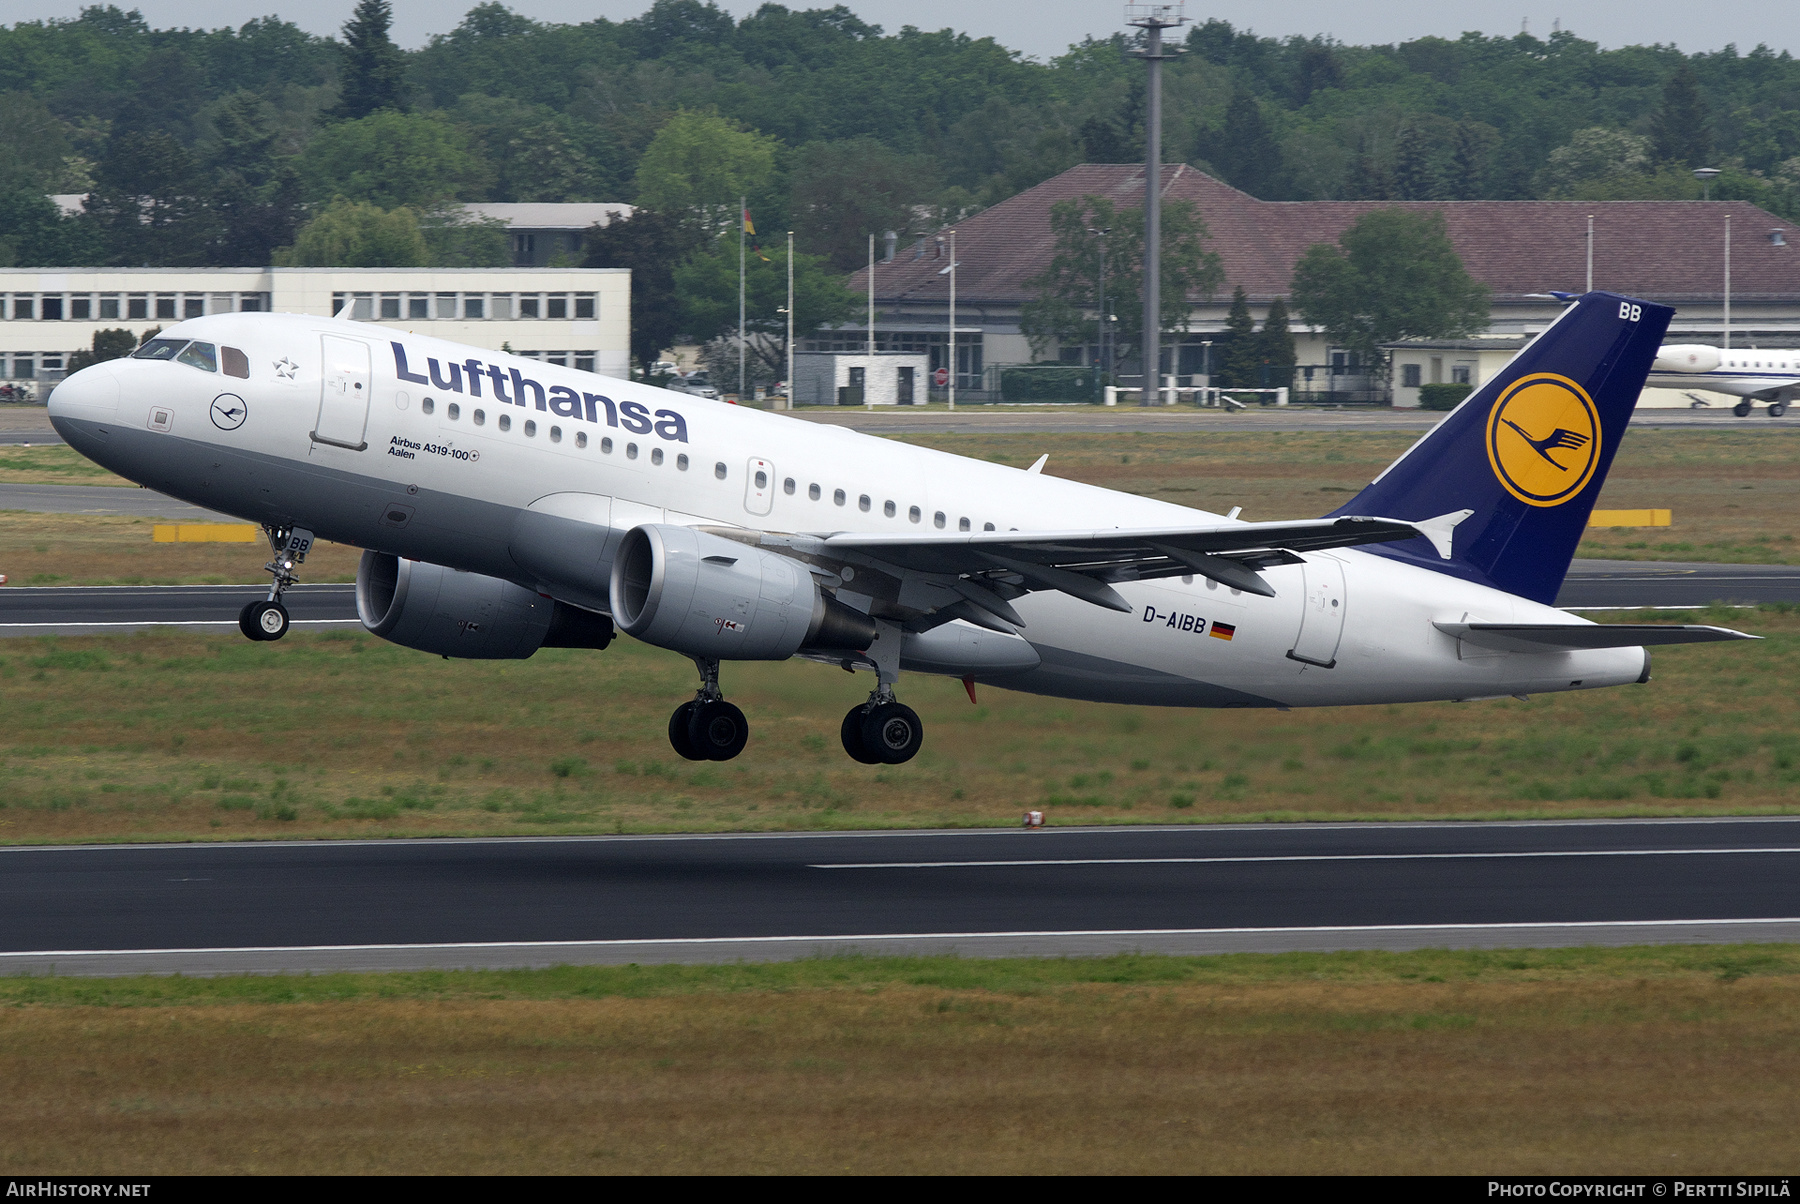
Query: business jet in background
x=507, y=505
x=1751, y=375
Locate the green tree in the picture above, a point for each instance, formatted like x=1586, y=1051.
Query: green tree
x=389, y=159
x=1275, y=347
x=1066, y=306
x=699, y=164
x=148, y=206
x=1235, y=352
x=845, y=191
x=34, y=233
x=650, y=244
x=354, y=234
x=455, y=239
x=1244, y=150
x=1392, y=275
x=708, y=286
x=1680, y=129
x=1596, y=157
x=107, y=345
x=256, y=193
x=374, y=69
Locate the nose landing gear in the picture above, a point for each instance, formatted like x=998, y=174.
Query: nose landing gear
x=708, y=728
x=267, y=618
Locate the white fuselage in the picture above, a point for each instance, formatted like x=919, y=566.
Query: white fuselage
x=443, y=487
x=1764, y=375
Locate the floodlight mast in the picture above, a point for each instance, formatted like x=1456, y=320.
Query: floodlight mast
x=1153, y=19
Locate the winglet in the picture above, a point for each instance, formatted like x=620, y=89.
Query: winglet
x=1440, y=529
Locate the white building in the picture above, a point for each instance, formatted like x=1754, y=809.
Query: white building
x=580, y=317
x=887, y=378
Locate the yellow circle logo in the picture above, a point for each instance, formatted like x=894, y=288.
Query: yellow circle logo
x=1543, y=439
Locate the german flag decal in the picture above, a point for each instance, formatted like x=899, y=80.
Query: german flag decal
x=1222, y=631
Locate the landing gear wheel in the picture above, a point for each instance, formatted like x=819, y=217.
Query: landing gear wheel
x=263, y=620
x=1741, y=409
x=892, y=733
x=717, y=730
x=1777, y=409
x=678, y=732
x=851, y=734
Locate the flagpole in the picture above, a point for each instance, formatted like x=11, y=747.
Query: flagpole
x=871, y=294
x=743, y=220
x=953, y=317
x=790, y=318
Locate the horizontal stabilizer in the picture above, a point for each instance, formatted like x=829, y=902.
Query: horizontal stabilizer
x=1576, y=637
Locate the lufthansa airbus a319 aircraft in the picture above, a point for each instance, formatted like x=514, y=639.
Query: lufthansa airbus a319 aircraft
x=507, y=505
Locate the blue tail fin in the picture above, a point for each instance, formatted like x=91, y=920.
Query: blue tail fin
x=1526, y=454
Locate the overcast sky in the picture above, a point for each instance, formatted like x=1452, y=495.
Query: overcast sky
x=1046, y=27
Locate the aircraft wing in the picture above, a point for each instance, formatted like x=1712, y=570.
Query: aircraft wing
x=1574, y=637
x=974, y=575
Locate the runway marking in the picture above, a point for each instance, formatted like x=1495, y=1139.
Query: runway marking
x=1518, y=925
x=178, y=623
x=941, y=865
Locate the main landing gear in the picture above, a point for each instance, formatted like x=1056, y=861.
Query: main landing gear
x=883, y=731
x=708, y=728
x=267, y=618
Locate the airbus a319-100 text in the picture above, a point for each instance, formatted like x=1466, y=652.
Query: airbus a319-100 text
x=508, y=505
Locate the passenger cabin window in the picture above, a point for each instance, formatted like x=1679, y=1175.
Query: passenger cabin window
x=681, y=462
x=480, y=417
x=812, y=491
x=719, y=470
x=530, y=429
x=505, y=422
x=962, y=524
x=236, y=362
x=428, y=405
x=580, y=438
x=838, y=497
x=888, y=508
x=453, y=411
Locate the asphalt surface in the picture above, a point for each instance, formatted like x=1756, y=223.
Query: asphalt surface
x=993, y=420
x=104, y=499
x=99, y=610
x=497, y=902
x=121, y=609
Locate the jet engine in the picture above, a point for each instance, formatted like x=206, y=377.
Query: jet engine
x=1687, y=357
x=451, y=613
x=710, y=598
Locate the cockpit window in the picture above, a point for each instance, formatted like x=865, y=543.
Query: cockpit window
x=200, y=355
x=236, y=362
x=159, y=349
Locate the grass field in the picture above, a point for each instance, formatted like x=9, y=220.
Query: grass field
x=172, y=735
x=1735, y=496
x=1633, y=1061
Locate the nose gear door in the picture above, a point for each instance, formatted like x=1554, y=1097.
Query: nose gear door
x=344, y=393
x=1322, y=615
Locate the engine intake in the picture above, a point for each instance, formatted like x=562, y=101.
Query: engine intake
x=708, y=597
x=451, y=613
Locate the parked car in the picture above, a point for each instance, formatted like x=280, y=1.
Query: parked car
x=694, y=385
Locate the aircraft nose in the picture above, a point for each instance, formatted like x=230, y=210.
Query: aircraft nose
x=88, y=393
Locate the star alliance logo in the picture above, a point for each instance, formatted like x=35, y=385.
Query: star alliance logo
x=285, y=368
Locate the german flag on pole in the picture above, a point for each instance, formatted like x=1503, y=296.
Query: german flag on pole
x=750, y=230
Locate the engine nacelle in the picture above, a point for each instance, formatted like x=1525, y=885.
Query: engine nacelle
x=1688, y=357
x=451, y=613
x=709, y=597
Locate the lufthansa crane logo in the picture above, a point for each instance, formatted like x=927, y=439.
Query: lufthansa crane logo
x=1543, y=439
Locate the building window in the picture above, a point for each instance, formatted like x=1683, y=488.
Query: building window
x=137, y=307
x=502, y=305
x=556, y=307
x=109, y=309
x=446, y=306
x=53, y=309
x=584, y=305
x=585, y=362
x=24, y=305
x=1460, y=374
x=528, y=305
x=474, y=306
x=165, y=306
x=418, y=305
x=390, y=305
x=1409, y=376
x=81, y=309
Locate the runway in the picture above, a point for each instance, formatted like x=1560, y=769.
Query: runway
x=1002, y=420
x=103, y=610
x=262, y=907
x=104, y=499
